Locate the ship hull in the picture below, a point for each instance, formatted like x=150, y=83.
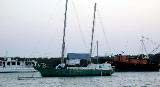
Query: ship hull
x=134, y=63
x=122, y=66
x=50, y=72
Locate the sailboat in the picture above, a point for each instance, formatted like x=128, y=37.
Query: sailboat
x=62, y=70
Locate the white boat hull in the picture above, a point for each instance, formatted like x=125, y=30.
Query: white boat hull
x=17, y=70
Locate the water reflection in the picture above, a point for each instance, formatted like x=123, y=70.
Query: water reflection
x=119, y=79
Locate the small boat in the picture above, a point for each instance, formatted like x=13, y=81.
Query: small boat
x=12, y=65
x=63, y=70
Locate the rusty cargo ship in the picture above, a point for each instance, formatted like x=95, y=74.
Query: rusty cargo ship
x=136, y=62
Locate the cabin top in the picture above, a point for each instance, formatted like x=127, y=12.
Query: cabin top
x=78, y=56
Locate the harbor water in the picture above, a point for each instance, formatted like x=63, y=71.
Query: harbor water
x=118, y=79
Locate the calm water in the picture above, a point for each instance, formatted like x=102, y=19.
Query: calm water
x=125, y=79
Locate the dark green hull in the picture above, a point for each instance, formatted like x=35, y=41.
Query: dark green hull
x=50, y=72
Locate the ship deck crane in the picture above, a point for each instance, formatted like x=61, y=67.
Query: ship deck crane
x=153, y=42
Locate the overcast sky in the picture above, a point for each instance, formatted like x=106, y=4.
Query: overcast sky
x=33, y=28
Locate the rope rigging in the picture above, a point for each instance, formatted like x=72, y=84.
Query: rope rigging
x=154, y=43
x=79, y=26
x=103, y=30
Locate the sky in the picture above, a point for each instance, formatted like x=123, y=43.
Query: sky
x=33, y=28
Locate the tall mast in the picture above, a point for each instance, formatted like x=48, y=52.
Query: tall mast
x=93, y=31
x=64, y=32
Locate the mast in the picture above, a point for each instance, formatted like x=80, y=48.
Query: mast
x=93, y=31
x=97, y=52
x=6, y=54
x=144, y=47
x=64, y=32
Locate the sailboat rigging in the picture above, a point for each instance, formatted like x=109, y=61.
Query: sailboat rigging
x=62, y=70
